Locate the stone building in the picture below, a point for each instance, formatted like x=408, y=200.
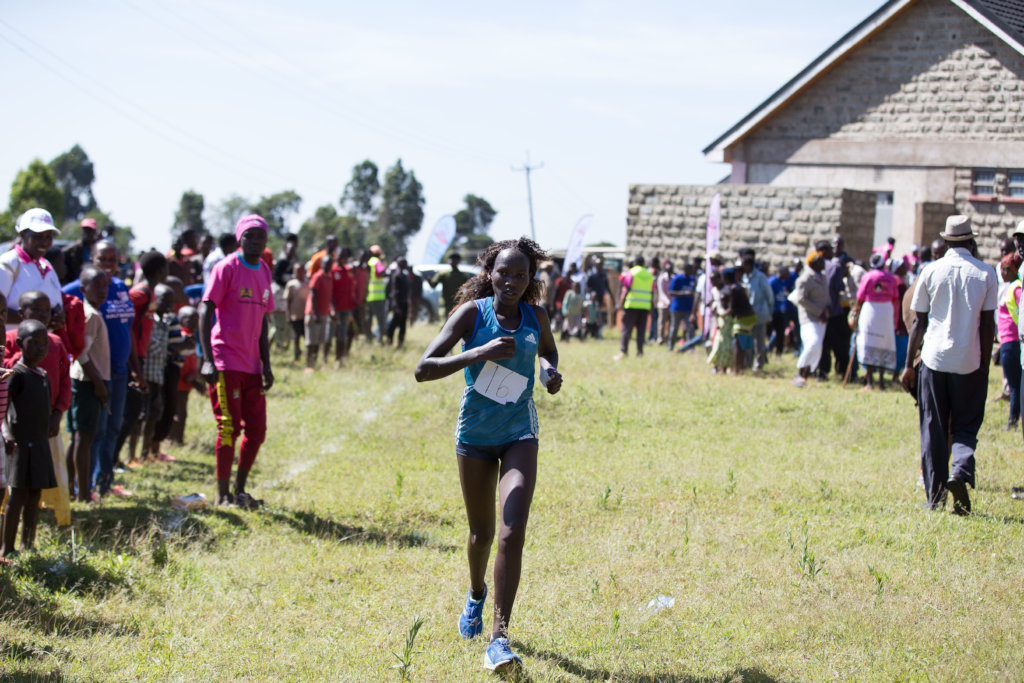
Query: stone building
x=921, y=106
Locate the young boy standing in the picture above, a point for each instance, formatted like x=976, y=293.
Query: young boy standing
x=236, y=355
x=90, y=383
x=153, y=366
x=35, y=305
x=318, y=311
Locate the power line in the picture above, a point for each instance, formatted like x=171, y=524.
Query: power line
x=290, y=85
x=529, y=193
x=196, y=145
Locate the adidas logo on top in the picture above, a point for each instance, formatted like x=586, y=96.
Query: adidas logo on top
x=531, y=338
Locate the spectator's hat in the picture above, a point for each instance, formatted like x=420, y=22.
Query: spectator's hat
x=36, y=220
x=1019, y=230
x=376, y=250
x=958, y=229
x=248, y=223
x=88, y=223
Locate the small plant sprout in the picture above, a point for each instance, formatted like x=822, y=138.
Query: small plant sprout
x=730, y=488
x=809, y=565
x=881, y=578
x=399, y=478
x=404, y=665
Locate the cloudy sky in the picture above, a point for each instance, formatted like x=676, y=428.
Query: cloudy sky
x=251, y=98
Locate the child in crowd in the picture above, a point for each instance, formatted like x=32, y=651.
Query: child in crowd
x=29, y=421
x=3, y=399
x=721, y=304
x=295, y=293
x=572, y=310
x=153, y=368
x=90, y=379
x=593, y=316
x=188, y=377
x=744, y=319
x=318, y=310
x=236, y=356
x=35, y=305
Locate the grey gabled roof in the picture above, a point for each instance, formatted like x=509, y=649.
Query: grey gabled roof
x=1007, y=14
x=1005, y=18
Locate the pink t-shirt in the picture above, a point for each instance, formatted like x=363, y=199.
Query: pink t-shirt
x=241, y=295
x=1004, y=319
x=879, y=286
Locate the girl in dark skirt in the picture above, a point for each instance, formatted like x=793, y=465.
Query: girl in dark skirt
x=28, y=417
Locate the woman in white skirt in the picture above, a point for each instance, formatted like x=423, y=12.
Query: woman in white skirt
x=810, y=296
x=874, y=321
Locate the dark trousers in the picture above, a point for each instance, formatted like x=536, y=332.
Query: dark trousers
x=163, y=426
x=778, y=328
x=633, y=318
x=1009, y=360
x=837, y=342
x=952, y=408
x=298, y=336
x=399, y=317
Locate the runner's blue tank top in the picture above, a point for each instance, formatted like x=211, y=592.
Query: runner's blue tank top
x=482, y=421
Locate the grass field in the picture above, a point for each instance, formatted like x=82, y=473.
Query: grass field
x=785, y=524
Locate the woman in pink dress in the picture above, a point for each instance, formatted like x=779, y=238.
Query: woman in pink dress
x=874, y=321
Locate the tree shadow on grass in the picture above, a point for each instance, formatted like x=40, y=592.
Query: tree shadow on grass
x=41, y=610
x=324, y=527
x=596, y=674
x=115, y=527
x=28, y=674
x=1005, y=519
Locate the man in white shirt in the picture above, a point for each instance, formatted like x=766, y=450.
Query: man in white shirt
x=953, y=328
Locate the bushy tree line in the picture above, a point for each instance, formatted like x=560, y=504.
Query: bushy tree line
x=64, y=188
x=371, y=210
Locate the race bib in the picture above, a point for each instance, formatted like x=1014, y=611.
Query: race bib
x=499, y=384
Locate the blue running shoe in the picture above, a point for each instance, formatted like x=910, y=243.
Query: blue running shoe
x=471, y=622
x=499, y=655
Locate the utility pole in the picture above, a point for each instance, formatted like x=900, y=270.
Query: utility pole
x=529, y=194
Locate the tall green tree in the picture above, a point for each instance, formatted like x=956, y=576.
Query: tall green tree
x=190, y=213
x=472, y=223
x=360, y=193
x=226, y=214
x=475, y=218
x=35, y=186
x=275, y=209
x=75, y=176
x=400, y=215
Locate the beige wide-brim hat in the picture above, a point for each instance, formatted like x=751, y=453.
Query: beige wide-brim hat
x=1019, y=230
x=958, y=229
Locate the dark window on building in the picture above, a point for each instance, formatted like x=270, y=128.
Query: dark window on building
x=1015, y=184
x=984, y=182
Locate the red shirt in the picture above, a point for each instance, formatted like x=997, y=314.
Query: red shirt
x=321, y=284
x=343, y=282
x=142, y=325
x=73, y=332
x=56, y=364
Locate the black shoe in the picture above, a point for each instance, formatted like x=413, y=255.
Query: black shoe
x=961, y=501
x=1011, y=425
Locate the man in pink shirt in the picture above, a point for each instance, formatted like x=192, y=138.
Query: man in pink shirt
x=236, y=355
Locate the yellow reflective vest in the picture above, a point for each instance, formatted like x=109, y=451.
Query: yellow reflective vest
x=375, y=289
x=639, y=295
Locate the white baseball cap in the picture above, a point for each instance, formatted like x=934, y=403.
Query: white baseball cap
x=36, y=220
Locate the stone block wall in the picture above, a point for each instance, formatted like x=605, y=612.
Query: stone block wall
x=931, y=216
x=780, y=223
x=933, y=72
x=993, y=218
